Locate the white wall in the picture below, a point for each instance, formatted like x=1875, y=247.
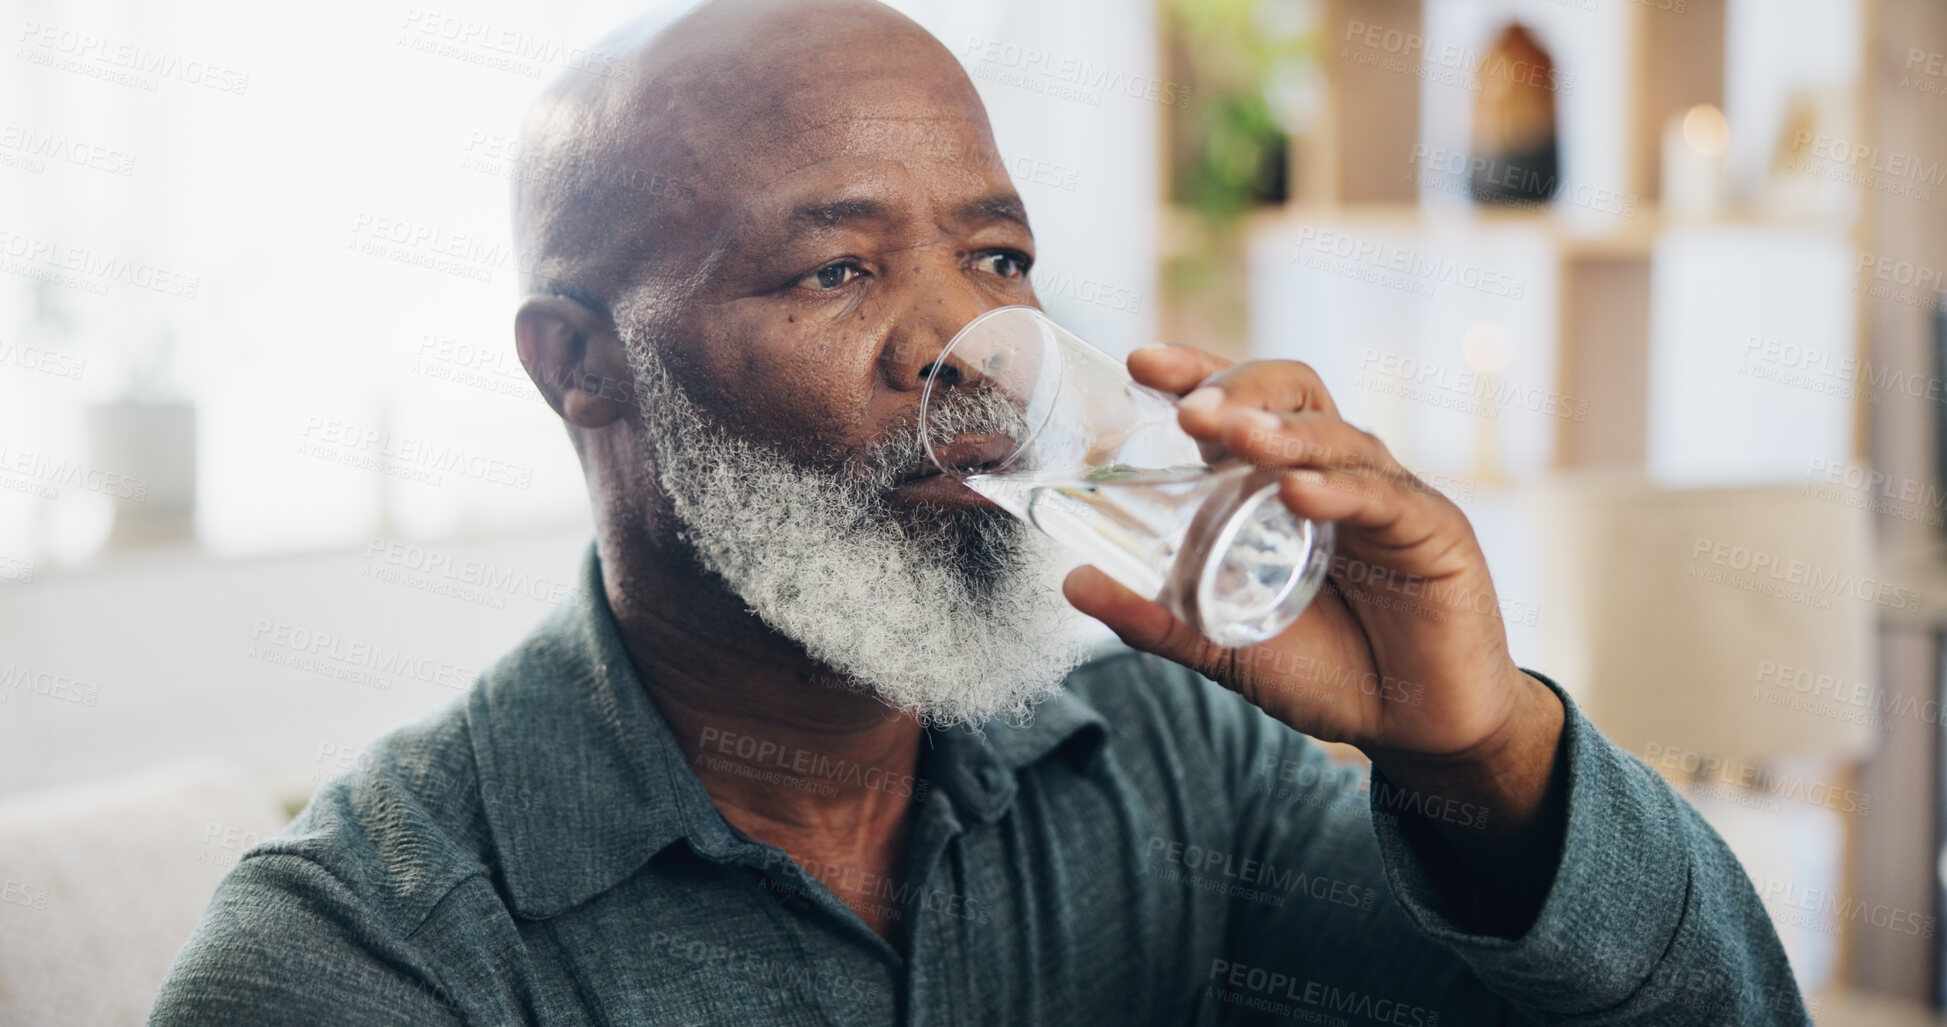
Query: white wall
x=171, y=654
x=1750, y=330
x=258, y=194
x=268, y=198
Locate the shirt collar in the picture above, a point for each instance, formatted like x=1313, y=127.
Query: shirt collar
x=583, y=781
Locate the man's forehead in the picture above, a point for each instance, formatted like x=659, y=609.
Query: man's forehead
x=727, y=103
x=841, y=167
x=895, y=117
x=929, y=132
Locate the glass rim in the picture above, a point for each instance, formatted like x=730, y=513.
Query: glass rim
x=926, y=392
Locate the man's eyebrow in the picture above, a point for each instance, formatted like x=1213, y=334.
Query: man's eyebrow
x=816, y=214
x=998, y=207
x=832, y=213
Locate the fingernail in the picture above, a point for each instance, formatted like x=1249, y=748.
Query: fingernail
x=1203, y=400
x=1154, y=347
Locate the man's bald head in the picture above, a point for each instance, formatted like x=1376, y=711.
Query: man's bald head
x=765, y=228
x=630, y=168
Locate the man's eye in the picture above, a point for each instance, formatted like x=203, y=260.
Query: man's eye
x=831, y=276
x=1004, y=263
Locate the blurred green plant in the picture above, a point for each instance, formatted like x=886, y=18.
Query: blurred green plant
x=1245, y=61
x=1253, y=71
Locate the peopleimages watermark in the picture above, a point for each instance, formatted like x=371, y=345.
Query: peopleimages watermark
x=224, y=844
x=1461, y=67
x=17, y=570
x=432, y=247
x=1848, y=484
x=1319, y=783
x=1360, y=581
x=1750, y=782
x=1925, y=72
x=1348, y=255
x=1831, y=373
x=42, y=360
x=22, y=147
x=1053, y=174
x=481, y=582
x=498, y=48
x=1836, y=698
x=1901, y=281
x=1088, y=290
x=795, y=767
x=1065, y=77
x=404, y=457
x=1369, y=479
x=1460, y=388
x=38, y=474
x=1245, y=877
x=496, y=369
x=332, y=655
x=1313, y=783
x=21, y=893
x=334, y=758
x=1828, y=911
x=1334, y=676
x=120, y=62
x=1791, y=579
x=1391, y=800
x=1455, y=171
x=87, y=269
x=743, y=967
x=1677, y=979
x=20, y=677
x=1454, y=487
x=1842, y=160
x=1297, y=997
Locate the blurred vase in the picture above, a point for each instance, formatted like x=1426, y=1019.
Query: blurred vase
x=1516, y=155
x=145, y=454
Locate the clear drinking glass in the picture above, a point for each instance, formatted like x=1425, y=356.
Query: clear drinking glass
x=1055, y=432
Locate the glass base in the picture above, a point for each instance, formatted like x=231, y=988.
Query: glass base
x=1254, y=565
x=1213, y=545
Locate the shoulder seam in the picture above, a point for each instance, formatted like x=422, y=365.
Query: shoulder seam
x=407, y=933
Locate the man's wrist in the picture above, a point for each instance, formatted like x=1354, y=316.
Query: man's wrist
x=1507, y=772
x=1496, y=867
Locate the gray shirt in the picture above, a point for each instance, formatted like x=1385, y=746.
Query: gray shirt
x=1149, y=849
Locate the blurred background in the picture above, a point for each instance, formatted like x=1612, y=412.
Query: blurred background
x=1652, y=288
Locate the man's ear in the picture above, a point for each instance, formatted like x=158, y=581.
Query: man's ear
x=575, y=357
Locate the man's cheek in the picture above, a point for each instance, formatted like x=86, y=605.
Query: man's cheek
x=810, y=394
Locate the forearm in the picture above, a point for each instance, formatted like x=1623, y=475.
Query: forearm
x=1647, y=917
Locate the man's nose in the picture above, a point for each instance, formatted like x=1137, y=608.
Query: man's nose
x=914, y=346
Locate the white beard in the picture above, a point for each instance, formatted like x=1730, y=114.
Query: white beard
x=955, y=620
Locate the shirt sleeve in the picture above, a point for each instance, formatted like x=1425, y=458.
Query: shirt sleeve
x=1650, y=918
x=285, y=942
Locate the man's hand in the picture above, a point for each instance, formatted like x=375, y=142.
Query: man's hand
x=1403, y=653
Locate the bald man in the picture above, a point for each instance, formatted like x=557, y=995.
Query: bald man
x=820, y=745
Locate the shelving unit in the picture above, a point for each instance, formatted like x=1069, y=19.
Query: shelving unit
x=1356, y=166
x=1642, y=315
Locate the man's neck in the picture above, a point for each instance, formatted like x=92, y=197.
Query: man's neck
x=791, y=753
